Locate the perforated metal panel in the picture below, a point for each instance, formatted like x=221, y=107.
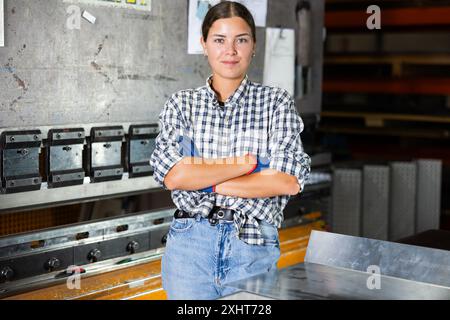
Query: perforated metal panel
x=402, y=200
x=346, y=201
x=429, y=179
x=375, y=202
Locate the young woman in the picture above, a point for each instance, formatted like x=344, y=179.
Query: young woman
x=231, y=154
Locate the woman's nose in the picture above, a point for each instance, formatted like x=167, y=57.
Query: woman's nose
x=231, y=48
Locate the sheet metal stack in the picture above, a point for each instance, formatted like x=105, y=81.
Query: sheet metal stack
x=375, y=202
x=346, y=201
x=387, y=202
x=403, y=200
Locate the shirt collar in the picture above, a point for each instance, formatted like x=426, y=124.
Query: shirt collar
x=236, y=97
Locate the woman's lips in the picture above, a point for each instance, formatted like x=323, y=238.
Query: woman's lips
x=230, y=62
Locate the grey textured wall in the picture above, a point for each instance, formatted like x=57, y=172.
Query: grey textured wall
x=121, y=69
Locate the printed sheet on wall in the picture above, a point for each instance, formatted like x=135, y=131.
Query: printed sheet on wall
x=2, y=24
x=279, y=62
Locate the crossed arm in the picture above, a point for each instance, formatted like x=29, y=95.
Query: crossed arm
x=229, y=177
x=288, y=162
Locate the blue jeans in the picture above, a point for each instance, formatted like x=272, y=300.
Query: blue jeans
x=200, y=259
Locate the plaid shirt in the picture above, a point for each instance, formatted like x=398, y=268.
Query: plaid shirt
x=255, y=119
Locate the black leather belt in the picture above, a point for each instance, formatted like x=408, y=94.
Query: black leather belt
x=214, y=216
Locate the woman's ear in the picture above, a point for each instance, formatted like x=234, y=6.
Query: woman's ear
x=203, y=43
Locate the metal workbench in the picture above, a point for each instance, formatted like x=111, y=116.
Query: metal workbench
x=336, y=267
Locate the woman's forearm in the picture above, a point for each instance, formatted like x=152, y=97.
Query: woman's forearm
x=267, y=183
x=193, y=173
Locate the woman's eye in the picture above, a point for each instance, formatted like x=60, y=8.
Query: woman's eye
x=218, y=40
x=242, y=40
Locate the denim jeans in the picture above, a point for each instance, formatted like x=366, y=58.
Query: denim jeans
x=200, y=259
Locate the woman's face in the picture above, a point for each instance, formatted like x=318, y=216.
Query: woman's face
x=229, y=47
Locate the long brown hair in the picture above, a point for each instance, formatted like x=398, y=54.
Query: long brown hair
x=227, y=9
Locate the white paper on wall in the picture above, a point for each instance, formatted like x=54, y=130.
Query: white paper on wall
x=2, y=24
x=197, y=11
x=279, y=62
x=258, y=8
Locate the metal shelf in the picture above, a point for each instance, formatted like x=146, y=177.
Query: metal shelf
x=398, y=17
x=418, y=85
x=371, y=117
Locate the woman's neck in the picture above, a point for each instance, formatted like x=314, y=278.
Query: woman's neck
x=224, y=88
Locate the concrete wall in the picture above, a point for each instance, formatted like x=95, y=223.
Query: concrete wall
x=120, y=69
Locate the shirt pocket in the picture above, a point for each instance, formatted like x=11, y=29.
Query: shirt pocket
x=254, y=141
x=208, y=142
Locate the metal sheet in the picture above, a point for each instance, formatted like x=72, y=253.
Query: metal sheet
x=141, y=150
x=346, y=201
x=393, y=259
x=429, y=179
x=318, y=282
x=106, y=153
x=21, y=162
x=402, y=200
x=375, y=202
x=336, y=267
x=63, y=159
x=245, y=295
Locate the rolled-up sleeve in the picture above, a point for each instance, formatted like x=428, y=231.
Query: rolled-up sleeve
x=166, y=153
x=286, y=148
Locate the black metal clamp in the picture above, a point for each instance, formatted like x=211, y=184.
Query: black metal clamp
x=64, y=156
x=19, y=154
x=105, y=156
x=141, y=143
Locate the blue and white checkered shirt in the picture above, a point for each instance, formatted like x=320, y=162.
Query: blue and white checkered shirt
x=255, y=119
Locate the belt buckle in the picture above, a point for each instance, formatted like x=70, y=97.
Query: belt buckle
x=213, y=220
x=213, y=216
x=220, y=214
x=179, y=214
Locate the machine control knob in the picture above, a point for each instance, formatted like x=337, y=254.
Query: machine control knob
x=133, y=246
x=52, y=264
x=6, y=274
x=94, y=255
